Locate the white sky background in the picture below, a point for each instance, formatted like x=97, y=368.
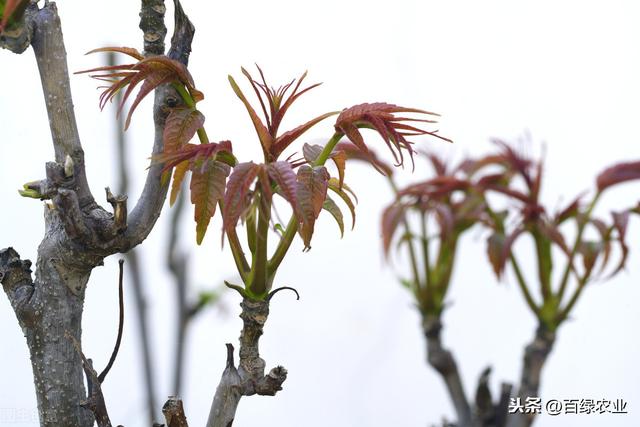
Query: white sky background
x=565, y=71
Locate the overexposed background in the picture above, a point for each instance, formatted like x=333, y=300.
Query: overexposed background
x=565, y=71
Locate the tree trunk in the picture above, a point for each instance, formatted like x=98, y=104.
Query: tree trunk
x=79, y=233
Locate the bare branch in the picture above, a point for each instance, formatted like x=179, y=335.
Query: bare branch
x=249, y=378
x=182, y=35
x=50, y=53
x=502, y=407
x=442, y=361
x=152, y=25
x=95, y=399
x=484, y=409
x=149, y=205
x=79, y=233
x=535, y=356
x=15, y=276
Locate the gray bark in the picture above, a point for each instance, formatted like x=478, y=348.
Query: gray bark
x=442, y=361
x=535, y=356
x=248, y=378
x=79, y=233
x=484, y=412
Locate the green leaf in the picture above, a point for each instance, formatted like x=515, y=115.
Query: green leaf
x=495, y=250
x=407, y=283
x=330, y=206
x=178, y=176
x=334, y=185
x=32, y=194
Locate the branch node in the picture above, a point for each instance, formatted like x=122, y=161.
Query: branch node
x=119, y=205
x=173, y=412
x=15, y=276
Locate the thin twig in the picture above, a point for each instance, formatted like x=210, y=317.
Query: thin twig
x=95, y=399
x=114, y=354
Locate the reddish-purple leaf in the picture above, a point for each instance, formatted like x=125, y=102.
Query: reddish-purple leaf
x=207, y=188
x=552, y=233
x=570, y=211
x=284, y=140
x=151, y=82
x=282, y=174
x=278, y=101
x=263, y=133
x=221, y=151
x=391, y=218
x=446, y=220
x=381, y=117
x=439, y=165
x=440, y=186
x=617, y=174
x=151, y=72
x=235, y=197
x=620, y=222
x=499, y=256
x=352, y=152
x=134, y=53
x=312, y=152
x=311, y=194
x=515, y=162
x=181, y=125
x=507, y=191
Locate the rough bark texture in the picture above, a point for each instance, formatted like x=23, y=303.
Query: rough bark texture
x=535, y=356
x=485, y=412
x=174, y=413
x=249, y=378
x=152, y=26
x=442, y=361
x=79, y=233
